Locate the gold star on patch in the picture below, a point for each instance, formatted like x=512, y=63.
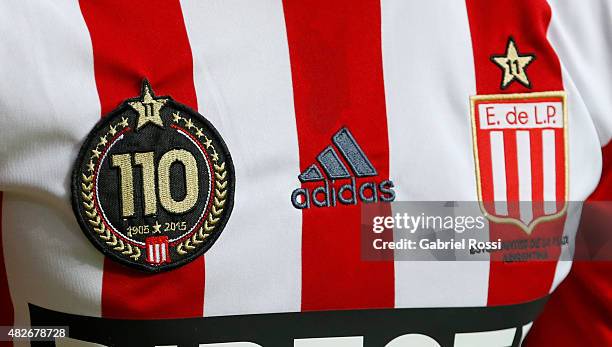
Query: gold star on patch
x=208, y=143
x=513, y=65
x=156, y=227
x=103, y=141
x=176, y=117
x=90, y=166
x=96, y=153
x=148, y=107
x=113, y=130
x=199, y=133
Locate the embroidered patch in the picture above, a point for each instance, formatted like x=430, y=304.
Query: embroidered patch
x=513, y=65
x=153, y=184
x=520, y=152
x=343, y=180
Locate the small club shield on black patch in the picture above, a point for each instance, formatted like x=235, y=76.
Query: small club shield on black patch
x=153, y=185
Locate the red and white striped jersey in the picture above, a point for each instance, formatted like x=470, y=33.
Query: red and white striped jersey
x=436, y=100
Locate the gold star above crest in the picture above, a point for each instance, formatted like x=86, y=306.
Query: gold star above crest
x=148, y=107
x=156, y=227
x=513, y=65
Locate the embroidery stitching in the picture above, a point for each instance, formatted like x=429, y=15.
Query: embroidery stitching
x=513, y=65
x=519, y=97
x=122, y=199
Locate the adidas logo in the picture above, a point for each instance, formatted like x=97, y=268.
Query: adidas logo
x=328, y=193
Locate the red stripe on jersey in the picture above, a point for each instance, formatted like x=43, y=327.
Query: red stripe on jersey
x=491, y=25
x=133, y=40
x=486, y=171
x=336, y=64
x=6, y=304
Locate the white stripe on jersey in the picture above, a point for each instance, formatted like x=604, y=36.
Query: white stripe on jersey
x=423, y=45
x=48, y=94
x=498, y=169
x=523, y=161
x=243, y=84
x=49, y=104
x=550, y=171
x=49, y=262
x=584, y=148
x=580, y=34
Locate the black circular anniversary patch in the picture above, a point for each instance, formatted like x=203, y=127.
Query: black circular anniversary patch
x=153, y=185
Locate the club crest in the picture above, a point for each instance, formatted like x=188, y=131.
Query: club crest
x=153, y=184
x=520, y=152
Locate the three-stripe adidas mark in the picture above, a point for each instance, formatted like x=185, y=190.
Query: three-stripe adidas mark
x=352, y=163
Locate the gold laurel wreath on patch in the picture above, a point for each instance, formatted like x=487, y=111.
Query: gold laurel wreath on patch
x=125, y=248
x=92, y=215
x=98, y=226
x=215, y=212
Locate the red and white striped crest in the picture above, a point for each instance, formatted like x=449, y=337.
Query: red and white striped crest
x=157, y=250
x=520, y=151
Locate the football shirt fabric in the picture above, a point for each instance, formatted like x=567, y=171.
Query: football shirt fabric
x=279, y=80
